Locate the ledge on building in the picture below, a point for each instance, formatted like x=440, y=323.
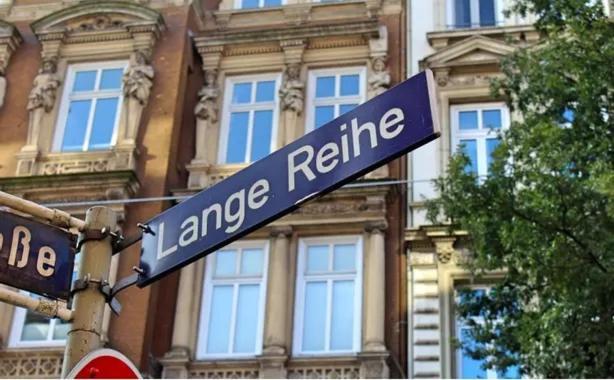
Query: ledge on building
x=441, y=39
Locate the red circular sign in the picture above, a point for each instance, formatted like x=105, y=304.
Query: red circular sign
x=105, y=364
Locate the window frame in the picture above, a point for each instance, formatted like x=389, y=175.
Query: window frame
x=17, y=326
x=299, y=300
x=228, y=108
x=206, y=298
x=480, y=134
x=62, y=118
x=312, y=101
x=474, y=9
x=237, y=4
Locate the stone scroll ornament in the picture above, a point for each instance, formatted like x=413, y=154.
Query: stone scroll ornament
x=42, y=97
x=138, y=80
x=206, y=112
x=379, y=80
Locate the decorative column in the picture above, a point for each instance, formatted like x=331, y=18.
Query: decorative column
x=206, y=113
x=292, y=91
x=175, y=361
x=374, y=353
x=378, y=81
x=275, y=352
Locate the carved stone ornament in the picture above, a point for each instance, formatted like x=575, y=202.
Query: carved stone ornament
x=291, y=92
x=10, y=39
x=206, y=108
x=379, y=80
x=445, y=249
x=2, y=82
x=42, y=98
x=100, y=22
x=138, y=80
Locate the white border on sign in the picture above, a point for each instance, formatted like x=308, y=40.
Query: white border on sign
x=98, y=353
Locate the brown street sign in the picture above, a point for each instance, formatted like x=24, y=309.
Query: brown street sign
x=35, y=256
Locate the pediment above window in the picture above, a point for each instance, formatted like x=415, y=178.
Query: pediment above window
x=472, y=51
x=98, y=21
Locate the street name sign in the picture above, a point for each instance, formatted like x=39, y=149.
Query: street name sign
x=380, y=130
x=35, y=256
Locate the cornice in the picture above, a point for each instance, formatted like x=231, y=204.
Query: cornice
x=9, y=35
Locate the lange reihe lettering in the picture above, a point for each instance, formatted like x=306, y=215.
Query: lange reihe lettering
x=304, y=161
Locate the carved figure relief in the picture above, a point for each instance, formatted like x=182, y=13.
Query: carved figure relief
x=42, y=98
x=206, y=112
x=379, y=80
x=291, y=92
x=138, y=80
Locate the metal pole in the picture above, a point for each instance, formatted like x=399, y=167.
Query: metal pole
x=48, y=308
x=56, y=217
x=85, y=334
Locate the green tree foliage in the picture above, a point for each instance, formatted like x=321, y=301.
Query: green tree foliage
x=546, y=210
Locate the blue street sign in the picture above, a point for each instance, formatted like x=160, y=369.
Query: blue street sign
x=36, y=257
x=380, y=130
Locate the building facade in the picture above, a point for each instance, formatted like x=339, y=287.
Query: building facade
x=127, y=102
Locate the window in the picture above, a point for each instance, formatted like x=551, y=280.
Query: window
x=468, y=368
x=474, y=130
x=90, y=108
x=249, y=122
x=473, y=13
x=333, y=92
x=328, y=296
x=249, y=4
x=232, y=311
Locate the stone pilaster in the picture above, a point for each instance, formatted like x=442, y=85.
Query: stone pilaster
x=175, y=361
x=374, y=288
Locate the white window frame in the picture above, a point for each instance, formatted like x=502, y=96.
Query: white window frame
x=475, y=14
x=481, y=134
x=238, y=5
x=209, y=283
x=299, y=301
x=228, y=108
x=68, y=96
x=312, y=101
x=19, y=318
x=458, y=325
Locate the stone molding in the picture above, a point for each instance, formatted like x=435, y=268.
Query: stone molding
x=31, y=363
x=10, y=39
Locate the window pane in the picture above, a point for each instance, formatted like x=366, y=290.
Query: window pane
x=104, y=123
x=84, y=81
x=487, y=12
x=265, y=91
x=349, y=85
x=343, y=257
x=111, y=79
x=225, y=263
x=468, y=120
x=471, y=369
x=469, y=148
x=491, y=119
x=317, y=258
x=251, y=261
x=343, y=108
x=462, y=13
x=314, y=316
x=247, y=324
x=342, y=322
x=324, y=114
x=76, y=125
x=272, y=3
x=261, y=134
x=35, y=327
x=219, y=319
x=242, y=92
x=325, y=87
x=237, y=137
x=60, y=330
x=249, y=4
x=491, y=144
